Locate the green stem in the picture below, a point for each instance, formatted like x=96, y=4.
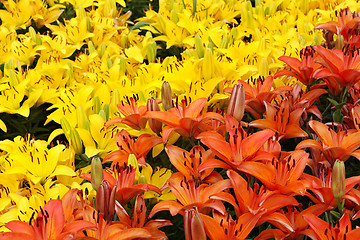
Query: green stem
x=339, y=205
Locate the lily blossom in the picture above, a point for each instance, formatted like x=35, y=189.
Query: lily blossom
x=321, y=187
x=138, y=219
x=281, y=120
x=347, y=22
x=322, y=230
x=339, y=144
x=109, y=230
x=257, y=201
x=239, y=147
x=281, y=174
x=303, y=70
x=185, y=118
x=341, y=68
x=187, y=163
x=225, y=227
x=190, y=193
x=49, y=224
x=297, y=223
x=123, y=177
x=134, y=115
x=129, y=145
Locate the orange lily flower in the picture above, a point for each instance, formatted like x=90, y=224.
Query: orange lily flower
x=281, y=174
x=190, y=193
x=49, y=224
x=138, y=219
x=238, y=149
x=304, y=70
x=321, y=187
x=128, y=145
x=259, y=201
x=187, y=163
x=322, y=230
x=298, y=99
x=341, y=69
x=258, y=91
x=347, y=22
x=283, y=121
x=224, y=227
x=109, y=230
x=185, y=119
x=353, y=203
x=123, y=177
x=297, y=221
x=134, y=115
x=334, y=145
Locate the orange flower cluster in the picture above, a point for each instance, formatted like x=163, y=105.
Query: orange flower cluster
x=264, y=164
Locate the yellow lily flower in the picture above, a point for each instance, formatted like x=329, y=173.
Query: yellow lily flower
x=17, y=14
x=33, y=159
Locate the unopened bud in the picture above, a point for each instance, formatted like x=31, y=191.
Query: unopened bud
x=123, y=65
x=102, y=50
x=339, y=43
x=65, y=125
x=32, y=34
x=152, y=105
x=97, y=104
x=96, y=172
x=224, y=42
x=151, y=52
x=193, y=225
x=75, y=141
x=166, y=96
x=208, y=64
x=338, y=179
x=199, y=46
x=105, y=200
x=264, y=67
x=91, y=47
x=236, y=106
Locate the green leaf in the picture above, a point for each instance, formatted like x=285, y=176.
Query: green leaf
x=194, y=7
x=138, y=26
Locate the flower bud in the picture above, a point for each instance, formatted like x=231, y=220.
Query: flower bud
x=151, y=52
x=339, y=43
x=166, y=96
x=96, y=172
x=105, y=200
x=123, y=65
x=199, y=46
x=193, y=225
x=208, y=66
x=75, y=141
x=338, y=179
x=65, y=125
x=236, y=106
x=264, y=67
x=102, y=49
x=152, y=105
x=97, y=104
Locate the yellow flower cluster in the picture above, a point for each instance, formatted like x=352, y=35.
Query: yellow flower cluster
x=86, y=65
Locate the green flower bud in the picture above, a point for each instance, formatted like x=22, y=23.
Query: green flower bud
x=96, y=172
x=338, y=179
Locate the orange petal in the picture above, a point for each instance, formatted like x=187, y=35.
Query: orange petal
x=56, y=219
x=254, y=142
x=212, y=228
x=172, y=206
